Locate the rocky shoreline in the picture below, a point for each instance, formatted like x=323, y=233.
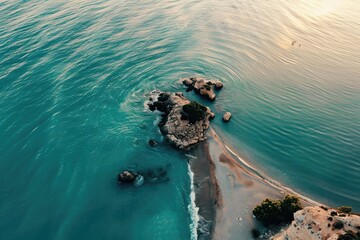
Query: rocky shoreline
x=183, y=124
x=220, y=179
x=322, y=223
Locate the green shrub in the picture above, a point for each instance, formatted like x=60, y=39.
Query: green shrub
x=268, y=212
x=289, y=206
x=333, y=213
x=338, y=225
x=345, y=209
x=193, y=112
x=275, y=212
x=348, y=235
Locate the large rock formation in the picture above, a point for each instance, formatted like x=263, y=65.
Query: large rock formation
x=320, y=223
x=202, y=86
x=181, y=126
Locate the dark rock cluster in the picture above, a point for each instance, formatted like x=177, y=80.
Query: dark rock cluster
x=202, y=86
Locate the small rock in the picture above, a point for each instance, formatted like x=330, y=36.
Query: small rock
x=227, y=116
x=218, y=85
x=187, y=82
x=127, y=177
x=153, y=143
x=212, y=115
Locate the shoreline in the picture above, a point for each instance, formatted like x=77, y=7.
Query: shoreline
x=227, y=188
x=252, y=171
x=207, y=191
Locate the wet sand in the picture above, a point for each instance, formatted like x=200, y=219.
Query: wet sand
x=207, y=191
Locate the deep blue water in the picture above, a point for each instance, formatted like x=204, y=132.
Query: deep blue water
x=73, y=79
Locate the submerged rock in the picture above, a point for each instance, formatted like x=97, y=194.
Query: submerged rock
x=319, y=223
x=157, y=175
x=227, y=116
x=202, y=86
x=183, y=123
x=153, y=143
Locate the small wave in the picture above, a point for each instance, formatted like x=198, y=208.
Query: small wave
x=191, y=157
x=193, y=210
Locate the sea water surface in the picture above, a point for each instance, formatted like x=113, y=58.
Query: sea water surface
x=73, y=79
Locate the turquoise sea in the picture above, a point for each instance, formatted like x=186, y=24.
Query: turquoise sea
x=73, y=80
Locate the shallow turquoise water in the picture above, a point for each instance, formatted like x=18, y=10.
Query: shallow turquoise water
x=73, y=75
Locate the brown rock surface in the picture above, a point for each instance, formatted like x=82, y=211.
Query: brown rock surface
x=178, y=131
x=203, y=87
x=316, y=223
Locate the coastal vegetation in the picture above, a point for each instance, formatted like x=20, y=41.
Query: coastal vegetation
x=193, y=112
x=338, y=225
x=349, y=235
x=345, y=209
x=276, y=212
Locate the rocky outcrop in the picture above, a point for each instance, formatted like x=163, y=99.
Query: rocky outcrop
x=202, y=86
x=227, y=116
x=179, y=128
x=321, y=223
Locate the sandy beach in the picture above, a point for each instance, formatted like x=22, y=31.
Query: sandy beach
x=227, y=189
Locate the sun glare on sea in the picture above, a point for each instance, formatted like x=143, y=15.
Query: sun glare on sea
x=322, y=7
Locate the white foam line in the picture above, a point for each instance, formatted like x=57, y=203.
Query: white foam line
x=240, y=159
x=193, y=210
